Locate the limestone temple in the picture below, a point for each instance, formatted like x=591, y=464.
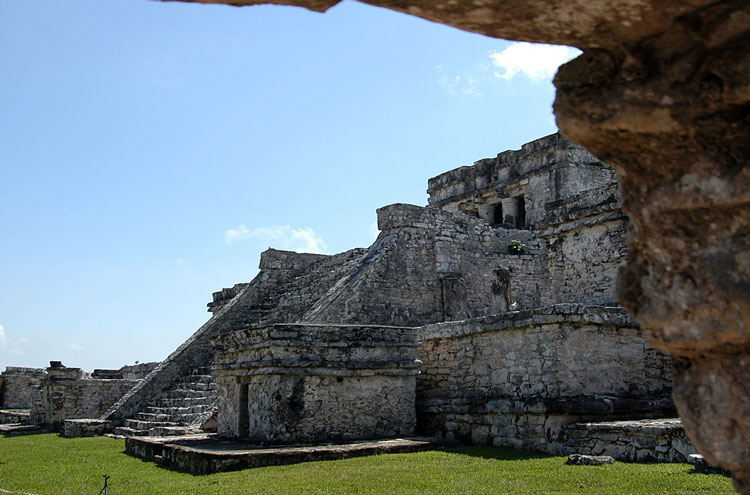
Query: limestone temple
x=488, y=317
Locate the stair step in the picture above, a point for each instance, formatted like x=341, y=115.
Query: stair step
x=190, y=396
x=176, y=411
x=146, y=425
x=152, y=417
x=199, y=386
x=170, y=431
x=196, y=379
x=129, y=432
x=185, y=393
x=184, y=402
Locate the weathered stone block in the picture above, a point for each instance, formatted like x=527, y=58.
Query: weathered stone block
x=85, y=428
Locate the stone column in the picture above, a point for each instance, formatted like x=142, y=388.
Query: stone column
x=672, y=113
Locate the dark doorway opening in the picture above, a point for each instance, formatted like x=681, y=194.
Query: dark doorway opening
x=520, y=212
x=497, y=215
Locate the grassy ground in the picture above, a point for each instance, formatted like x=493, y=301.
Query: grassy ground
x=48, y=464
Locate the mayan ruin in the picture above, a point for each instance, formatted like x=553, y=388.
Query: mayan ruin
x=488, y=317
x=587, y=294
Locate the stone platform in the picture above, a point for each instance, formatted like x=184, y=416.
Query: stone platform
x=14, y=429
x=647, y=440
x=205, y=453
x=14, y=416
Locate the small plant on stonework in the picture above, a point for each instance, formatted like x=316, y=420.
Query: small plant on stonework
x=516, y=247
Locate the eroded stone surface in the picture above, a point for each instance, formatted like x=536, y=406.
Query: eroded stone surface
x=293, y=383
x=635, y=441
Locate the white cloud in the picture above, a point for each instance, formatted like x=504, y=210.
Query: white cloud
x=535, y=61
x=241, y=232
x=16, y=352
x=3, y=337
x=303, y=240
x=74, y=347
x=22, y=340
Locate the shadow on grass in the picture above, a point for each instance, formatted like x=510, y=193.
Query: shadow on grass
x=500, y=453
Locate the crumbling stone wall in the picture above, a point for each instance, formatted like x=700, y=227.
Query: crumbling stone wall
x=427, y=266
x=293, y=383
x=583, y=262
x=18, y=386
x=69, y=393
x=516, y=379
x=572, y=210
x=130, y=372
x=542, y=173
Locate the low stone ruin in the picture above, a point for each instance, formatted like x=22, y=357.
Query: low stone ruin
x=54, y=395
x=17, y=386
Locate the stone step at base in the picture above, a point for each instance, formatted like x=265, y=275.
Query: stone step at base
x=146, y=425
x=645, y=440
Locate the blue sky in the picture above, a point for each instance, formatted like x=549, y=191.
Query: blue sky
x=150, y=151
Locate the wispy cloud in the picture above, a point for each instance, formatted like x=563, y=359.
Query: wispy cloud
x=6, y=341
x=465, y=85
x=74, y=347
x=280, y=236
x=534, y=61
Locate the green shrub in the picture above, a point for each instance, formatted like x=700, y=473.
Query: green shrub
x=516, y=247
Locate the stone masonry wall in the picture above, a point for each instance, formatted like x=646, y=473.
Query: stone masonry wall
x=68, y=393
x=582, y=263
x=516, y=379
x=18, y=386
x=572, y=210
x=429, y=265
x=543, y=171
x=292, y=383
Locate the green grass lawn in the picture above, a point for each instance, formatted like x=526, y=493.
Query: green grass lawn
x=48, y=464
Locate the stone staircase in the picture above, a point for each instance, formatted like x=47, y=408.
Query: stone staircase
x=182, y=410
